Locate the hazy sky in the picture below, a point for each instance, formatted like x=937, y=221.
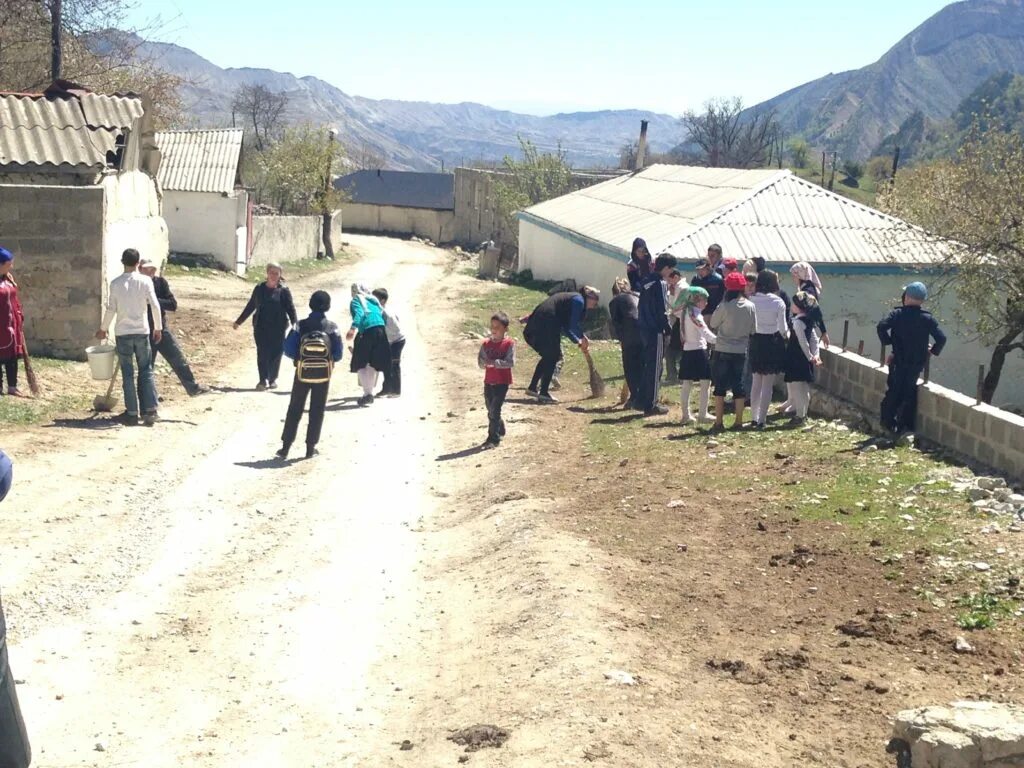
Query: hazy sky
x=545, y=56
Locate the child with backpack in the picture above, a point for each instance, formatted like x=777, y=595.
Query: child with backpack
x=392, y=386
x=497, y=357
x=315, y=346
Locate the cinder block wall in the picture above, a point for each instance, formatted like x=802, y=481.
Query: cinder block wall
x=56, y=235
x=290, y=238
x=953, y=420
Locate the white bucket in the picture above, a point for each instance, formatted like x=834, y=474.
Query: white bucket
x=101, y=361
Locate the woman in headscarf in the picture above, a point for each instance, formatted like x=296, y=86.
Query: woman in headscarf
x=640, y=264
x=561, y=313
x=273, y=311
x=806, y=280
x=371, y=353
x=12, y=323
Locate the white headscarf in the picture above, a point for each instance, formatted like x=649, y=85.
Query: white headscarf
x=360, y=289
x=804, y=272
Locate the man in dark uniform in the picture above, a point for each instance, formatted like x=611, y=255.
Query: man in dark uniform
x=907, y=330
x=168, y=345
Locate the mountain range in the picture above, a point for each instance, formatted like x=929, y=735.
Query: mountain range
x=410, y=135
x=929, y=71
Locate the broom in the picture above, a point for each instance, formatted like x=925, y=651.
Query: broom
x=30, y=375
x=596, y=382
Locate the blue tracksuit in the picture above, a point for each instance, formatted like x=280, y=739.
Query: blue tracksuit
x=652, y=321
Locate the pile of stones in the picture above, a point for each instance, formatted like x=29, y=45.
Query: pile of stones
x=992, y=496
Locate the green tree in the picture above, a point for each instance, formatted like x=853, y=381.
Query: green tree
x=853, y=169
x=972, y=208
x=537, y=177
x=879, y=168
x=799, y=151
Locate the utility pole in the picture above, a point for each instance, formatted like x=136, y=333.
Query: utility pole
x=325, y=212
x=56, y=42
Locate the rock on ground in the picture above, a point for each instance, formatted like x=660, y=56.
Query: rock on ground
x=966, y=734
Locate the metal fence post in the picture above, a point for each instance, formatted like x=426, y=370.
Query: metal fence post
x=860, y=347
x=881, y=356
x=846, y=333
x=981, y=381
x=927, y=368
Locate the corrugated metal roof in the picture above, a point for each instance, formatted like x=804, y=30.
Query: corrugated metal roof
x=74, y=130
x=767, y=213
x=199, y=161
x=658, y=203
x=402, y=189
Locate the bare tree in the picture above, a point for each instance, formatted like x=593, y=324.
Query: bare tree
x=728, y=138
x=261, y=110
x=365, y=157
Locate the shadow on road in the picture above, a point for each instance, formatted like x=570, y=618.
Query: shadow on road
x=463, y=454
x=93, y=422
x=274, y=463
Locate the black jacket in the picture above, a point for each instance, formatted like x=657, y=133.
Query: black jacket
x=166, y=298
x=623, y=311
x=907, y=330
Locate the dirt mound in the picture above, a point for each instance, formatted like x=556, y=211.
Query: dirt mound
x=480, y=737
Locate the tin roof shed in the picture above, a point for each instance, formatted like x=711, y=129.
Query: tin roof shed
x=768, y=213
x=200, y=161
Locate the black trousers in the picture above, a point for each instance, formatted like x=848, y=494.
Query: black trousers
x=317, y=403
x=650, y=380
x=269, y=349
x=168, y=347
x=15, y=751
x=899, y=406
x=633, y=368
x=10, y=365
x=494, y=398
x=393, y=377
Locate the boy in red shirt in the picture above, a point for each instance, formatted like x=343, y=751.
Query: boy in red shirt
x=497, y=357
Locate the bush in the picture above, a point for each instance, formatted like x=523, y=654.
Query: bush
x=853, y=169
x=878, y=169
x=799, y=152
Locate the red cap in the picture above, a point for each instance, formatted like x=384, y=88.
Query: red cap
x=735, y=281
x=729, y=262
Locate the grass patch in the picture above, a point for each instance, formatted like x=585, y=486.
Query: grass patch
x=864, y=193
x=982, y=610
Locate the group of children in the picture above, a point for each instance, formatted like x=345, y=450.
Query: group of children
x=734, y=330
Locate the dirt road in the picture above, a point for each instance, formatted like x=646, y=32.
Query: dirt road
x=178, y=598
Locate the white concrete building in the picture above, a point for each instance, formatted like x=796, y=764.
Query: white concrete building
x=858, y=252
x=207, y=211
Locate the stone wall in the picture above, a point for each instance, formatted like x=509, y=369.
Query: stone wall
x=289, y=238
x=978, y=432
x=56, y=234
x=438, y=226
x=476, y=217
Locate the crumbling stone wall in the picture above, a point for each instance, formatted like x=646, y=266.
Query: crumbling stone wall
x=980, y=432
x=56, y=234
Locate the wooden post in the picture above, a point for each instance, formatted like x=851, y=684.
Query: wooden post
x=56, y=41
x=860, y=347
x=832, y=178
x=881, y=356
x=927, y=368
x=895, y=163
x=823, y=169
x=981, y=382
x=846, y=333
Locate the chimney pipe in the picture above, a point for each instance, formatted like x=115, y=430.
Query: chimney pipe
x=641, y=147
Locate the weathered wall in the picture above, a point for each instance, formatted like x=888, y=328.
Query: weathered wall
x=981, y=432
x=864, y=299
x=476, y=217
x=289, y=238
x=553, y=256
x=205, y=223
x=56, y=234
x=438, y=226
x=132, y=220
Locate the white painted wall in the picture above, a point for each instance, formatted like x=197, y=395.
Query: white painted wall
x=438, y=226
x=206, y=223
x=131, y=215
x=290, y=238
x=863, y=299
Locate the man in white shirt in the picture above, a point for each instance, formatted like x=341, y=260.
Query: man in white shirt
x=131, y=295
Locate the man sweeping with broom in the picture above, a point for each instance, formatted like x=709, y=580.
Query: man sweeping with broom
x=12, y=331
x=561, y=313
